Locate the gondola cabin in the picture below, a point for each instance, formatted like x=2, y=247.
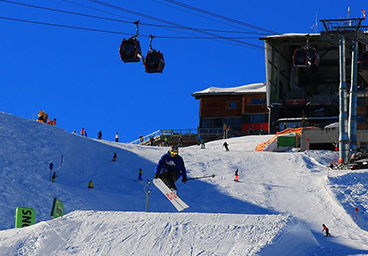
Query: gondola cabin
x=305, y=57
x=154, y=62
x=130, y=50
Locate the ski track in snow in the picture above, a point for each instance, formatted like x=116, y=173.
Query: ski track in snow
x=283, y=196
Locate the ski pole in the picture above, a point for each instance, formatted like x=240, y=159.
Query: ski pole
x=202, y=177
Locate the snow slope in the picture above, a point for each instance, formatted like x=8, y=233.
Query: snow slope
x=277, y=208
x=133, y=233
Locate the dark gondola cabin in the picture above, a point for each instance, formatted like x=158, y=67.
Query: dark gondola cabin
x=305, y=57
x=154, y=62
x=130, y=50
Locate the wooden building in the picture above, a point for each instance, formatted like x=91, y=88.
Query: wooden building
x=241, y=109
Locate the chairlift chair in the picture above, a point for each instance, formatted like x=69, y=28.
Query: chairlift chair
x=305, y=57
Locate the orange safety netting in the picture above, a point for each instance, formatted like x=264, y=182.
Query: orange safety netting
x=262, y=146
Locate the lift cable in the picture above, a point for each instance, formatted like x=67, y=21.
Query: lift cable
x=220, y=16
x=116, y=20
x=115, y=32
x=250, y=45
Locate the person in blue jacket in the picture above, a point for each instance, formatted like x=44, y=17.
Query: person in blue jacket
x=170, y=168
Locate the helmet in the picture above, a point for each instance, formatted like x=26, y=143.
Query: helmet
x=174, y=150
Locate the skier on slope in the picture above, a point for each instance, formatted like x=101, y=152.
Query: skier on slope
x=99, y=135
x=170, y=168
x=326, y=229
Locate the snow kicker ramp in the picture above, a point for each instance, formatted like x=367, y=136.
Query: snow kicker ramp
x=136, y=233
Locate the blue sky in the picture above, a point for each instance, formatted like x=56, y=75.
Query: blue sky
x=77, y=76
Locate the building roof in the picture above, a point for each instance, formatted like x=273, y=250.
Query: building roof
x=290, y=35
x=239, y=90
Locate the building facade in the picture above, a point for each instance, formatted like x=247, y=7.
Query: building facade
x=310, y=92
x=240, y=109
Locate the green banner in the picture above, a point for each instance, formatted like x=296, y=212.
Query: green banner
x=57, y=209
x=24, y=217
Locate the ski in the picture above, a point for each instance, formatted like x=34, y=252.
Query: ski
x=173, y=198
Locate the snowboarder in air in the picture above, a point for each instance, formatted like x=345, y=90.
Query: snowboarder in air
x=114, y=157
x=90, y=185
x=236, y=175
x=226, y=146
x=99, y=135
x=170, y=168
x=140, y=174
x=53, y=177
x=326, y=229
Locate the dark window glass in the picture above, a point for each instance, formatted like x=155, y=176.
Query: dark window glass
x=233, y=122
x=361, y=101
x=360, y=119
x=233, y=104
x=255, y=118
x=258, y=101
x=207, y=123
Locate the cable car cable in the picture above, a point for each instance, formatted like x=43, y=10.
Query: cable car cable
x=250, y=45
x=115, y=20
x=108, y=31
x=221, y=16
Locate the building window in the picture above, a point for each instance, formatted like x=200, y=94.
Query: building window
x=361, y=101
x=207, y=123
x=258, y=101
x=360, y=119
x=234, y=122
x=211, y=123
x=255, y=118
x=233, y=104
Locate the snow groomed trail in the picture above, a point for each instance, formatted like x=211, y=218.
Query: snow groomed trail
x=277, y=208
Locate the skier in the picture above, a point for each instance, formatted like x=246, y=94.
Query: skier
x=116, y=137
x=140, y=174
x=53, y=177
x=226, y=146
x=114, y=157
x=85, y=133
x=326, y=229
x=199, y=140
x=170, y=168
x=202, y=144
x=236, y=175
x=90, y=185
x=82, y=132
x=99, y=134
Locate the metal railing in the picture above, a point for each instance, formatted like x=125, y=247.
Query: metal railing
x=173, y=132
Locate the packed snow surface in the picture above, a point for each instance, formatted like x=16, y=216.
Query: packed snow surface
x=277, y=208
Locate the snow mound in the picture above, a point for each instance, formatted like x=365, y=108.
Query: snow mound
x=137, y=233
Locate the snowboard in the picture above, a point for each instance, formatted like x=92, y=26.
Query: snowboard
x=179, y=204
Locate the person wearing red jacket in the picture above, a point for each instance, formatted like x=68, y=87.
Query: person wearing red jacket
x=326, y=229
